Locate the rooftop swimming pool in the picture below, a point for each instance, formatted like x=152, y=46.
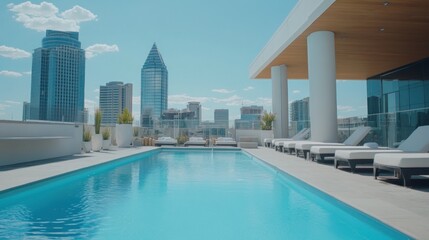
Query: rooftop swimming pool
x=181, y=194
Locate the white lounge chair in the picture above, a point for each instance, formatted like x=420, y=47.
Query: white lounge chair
x=417, y=142
x=166, y=141
x=319, y=153
x=278, y=143
x=302, y=148
x=225, y=142
x=195, y=141
x=267, y=142
x=403, y=165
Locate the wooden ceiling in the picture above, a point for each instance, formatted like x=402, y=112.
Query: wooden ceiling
x=371, y=37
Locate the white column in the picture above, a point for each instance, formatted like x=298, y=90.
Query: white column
x=322, y=81
x=280, y=101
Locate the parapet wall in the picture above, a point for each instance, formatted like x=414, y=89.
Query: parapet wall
x=28, y=141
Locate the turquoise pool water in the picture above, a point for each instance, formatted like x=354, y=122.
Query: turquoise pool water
x=175, y=194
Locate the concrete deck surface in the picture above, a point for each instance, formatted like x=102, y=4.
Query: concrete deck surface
x=406, y=209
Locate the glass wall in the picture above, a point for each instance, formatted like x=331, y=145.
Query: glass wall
x=398, y=102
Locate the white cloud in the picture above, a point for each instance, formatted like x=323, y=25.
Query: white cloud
x=12, y=102
x=90, y=103
x=345, y=108
x=184, y=99
x=234, y=100
x=296, y=91
x=46, y=15
x=205, y=108
x=266, y=102
x=14, y=53
x=248, y=88
x=136, y=100
x=45, y=9
x=222, y=90
x=78, y=14
x=27, y=73
x=100, y=48
x=97, y=90
x=10, y=73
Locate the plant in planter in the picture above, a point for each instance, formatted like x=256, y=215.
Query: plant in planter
x=87, y=146
x=106, y=139
x=267, y=121
x=97, y=138
x=182, y=139
x=124, y=129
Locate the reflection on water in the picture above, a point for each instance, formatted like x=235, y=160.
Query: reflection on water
x=178, y=195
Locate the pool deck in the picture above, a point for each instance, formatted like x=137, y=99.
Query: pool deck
x=406, y=209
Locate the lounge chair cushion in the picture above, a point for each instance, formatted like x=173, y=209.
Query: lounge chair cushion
x=403, y=160
x=308, y=145
x=362, y=154
x=357, y=136
x=417, y=141
x=331, y=149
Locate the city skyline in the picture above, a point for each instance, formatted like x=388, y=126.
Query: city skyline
x=208, y=59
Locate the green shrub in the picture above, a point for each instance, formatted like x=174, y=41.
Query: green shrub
x=87, y=135
x=106, y=134
x=267, y=121
x=125, y=117
x=97, y=123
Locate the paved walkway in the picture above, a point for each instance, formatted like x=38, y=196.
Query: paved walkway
x=406, y=209
x=14, y=177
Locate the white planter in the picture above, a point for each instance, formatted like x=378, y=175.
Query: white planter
x=124, y=135
x=106, y=144
x=96, y=142
x=87, y=147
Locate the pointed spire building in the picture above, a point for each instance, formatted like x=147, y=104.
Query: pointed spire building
x=154, y=88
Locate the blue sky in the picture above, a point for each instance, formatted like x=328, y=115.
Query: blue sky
x=206, y=45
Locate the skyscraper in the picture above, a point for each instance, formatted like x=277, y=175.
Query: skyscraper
x=58, y=78
x=221, y=117
x=196, y=108
x=251, y=117
x=300, y=114
x=154, y=88
x=25, y=111
x=114, y=98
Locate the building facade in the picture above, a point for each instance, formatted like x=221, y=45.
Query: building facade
x=114, y=98
x=58, y=78
x=25, y=111
x=196, y=108
x=154, y=88
x=221, y=117
x=251, y=117
x=299, y=115
x=398, y=102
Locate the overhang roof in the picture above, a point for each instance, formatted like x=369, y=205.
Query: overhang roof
x=371, y=37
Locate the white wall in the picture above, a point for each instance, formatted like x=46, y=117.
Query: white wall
x=36, y=140
x=259, y=134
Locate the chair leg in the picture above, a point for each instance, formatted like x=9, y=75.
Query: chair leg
x=376, y=172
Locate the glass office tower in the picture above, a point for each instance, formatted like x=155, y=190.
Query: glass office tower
x=154, y=88
x=58, y=78
x=398, y=102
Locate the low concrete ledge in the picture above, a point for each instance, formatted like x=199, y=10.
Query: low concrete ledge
x=248, y=142
x=23, y=142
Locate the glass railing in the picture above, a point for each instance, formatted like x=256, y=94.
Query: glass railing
x=388, y=129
